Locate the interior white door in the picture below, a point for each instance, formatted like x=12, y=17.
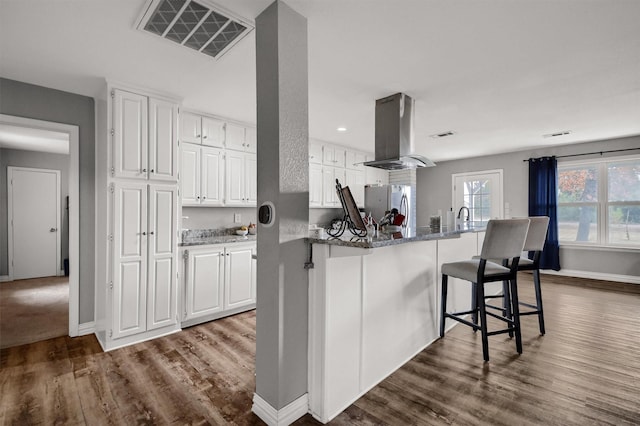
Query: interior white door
x=34, y=222
x=480, y=192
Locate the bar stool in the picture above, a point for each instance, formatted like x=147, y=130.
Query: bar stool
x=504, y=240
x=534, y=244
x=536, y=238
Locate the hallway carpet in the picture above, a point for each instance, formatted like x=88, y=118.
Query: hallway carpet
x=33, y=310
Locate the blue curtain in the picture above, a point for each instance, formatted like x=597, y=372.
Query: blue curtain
x=543, y=190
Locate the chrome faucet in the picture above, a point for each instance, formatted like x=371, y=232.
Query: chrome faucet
x=460, y=212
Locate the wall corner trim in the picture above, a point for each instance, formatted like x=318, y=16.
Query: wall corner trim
x=283, y=417
x=86, y=328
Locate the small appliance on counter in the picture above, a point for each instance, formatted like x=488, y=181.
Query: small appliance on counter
x=389, y=203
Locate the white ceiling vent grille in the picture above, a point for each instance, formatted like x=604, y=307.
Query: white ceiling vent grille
x=200, y=25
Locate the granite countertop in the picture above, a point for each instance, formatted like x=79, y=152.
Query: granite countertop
x=200, y=237
x=388, y=239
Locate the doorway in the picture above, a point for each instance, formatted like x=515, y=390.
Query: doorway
x=28, y=131
x=480, y=192
x=34, y=222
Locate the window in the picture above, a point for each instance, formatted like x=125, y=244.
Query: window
x=480, y=192
x=599, y=202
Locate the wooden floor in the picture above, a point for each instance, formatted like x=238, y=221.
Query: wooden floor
x=584, y=371
x=33, y=310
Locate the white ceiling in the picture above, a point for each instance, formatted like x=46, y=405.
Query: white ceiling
x=500, y=74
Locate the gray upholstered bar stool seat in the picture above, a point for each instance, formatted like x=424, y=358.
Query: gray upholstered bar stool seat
x=504, y=240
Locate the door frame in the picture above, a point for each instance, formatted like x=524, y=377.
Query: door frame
x=74, y=207
x=10, y=236
x=499, y=193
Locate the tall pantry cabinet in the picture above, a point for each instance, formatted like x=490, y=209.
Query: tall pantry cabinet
x=136, y=294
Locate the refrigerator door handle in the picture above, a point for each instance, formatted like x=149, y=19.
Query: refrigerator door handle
x=404, y=209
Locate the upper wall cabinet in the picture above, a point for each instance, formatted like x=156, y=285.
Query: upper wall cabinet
x=355, y=160
x=144, y=134
x=315, y=153
x=202, y=130
x=333, y=156
x=240, y=138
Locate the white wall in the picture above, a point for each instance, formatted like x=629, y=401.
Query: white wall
x=434, y=192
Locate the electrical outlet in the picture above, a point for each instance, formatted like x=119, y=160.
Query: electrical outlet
x=237, y=218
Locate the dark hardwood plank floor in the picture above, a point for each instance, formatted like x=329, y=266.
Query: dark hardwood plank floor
x=584, y=371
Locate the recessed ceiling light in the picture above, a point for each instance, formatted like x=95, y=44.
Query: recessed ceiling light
x=442, y=135
x=341, y=129
x=553, y=135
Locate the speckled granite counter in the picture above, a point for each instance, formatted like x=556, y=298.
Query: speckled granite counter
x=199, y=237
x=388, y=239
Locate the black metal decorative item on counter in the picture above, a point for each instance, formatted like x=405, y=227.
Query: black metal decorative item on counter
x=351, y=219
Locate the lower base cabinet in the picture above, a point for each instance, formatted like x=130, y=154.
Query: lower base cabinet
x=219, y=280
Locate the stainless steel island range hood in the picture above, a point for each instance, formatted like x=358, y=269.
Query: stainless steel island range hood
x=394, y=135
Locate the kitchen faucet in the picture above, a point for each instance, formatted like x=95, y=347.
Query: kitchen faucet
x=460, y=212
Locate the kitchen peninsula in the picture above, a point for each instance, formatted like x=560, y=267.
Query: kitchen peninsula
x=374, y=305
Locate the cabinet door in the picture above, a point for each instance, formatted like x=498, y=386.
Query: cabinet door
x=251, y=179
x=129, y=294
x=327, y=155
x=130, y=135
x=163, y=146
x=251, y=139
x=234, y=178
x=354, y=160
x=376, y=176
x=212, y=176
x=315, y=153
x=212, y=132
x=339, y=156
x=239, y=289
x=235, y=137
x=162, y=273
x=330, y=174
x=315, y=185
x=190, y=128
x=190, y=174
x=204, y=282
x=355, y=181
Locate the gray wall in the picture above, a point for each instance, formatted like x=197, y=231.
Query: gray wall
x=434, y=193
x=39, y=160
x=41, y=103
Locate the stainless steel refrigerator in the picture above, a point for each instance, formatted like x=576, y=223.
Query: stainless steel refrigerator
x=380, y=199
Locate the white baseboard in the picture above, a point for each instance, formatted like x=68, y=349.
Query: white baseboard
x=86, y=328
x=593, y=275
x=284, y=416
x=4, y=278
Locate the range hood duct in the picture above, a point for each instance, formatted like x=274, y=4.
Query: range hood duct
x=394, y=135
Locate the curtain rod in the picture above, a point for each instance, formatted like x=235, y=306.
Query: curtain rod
x=591, y=153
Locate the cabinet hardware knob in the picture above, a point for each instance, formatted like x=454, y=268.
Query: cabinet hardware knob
x=204, y=198
x=144, y=233
x=144, y=170
x=197, y=136
x=204, y=137
x=198, y=197
x=151, y=170
x=151, y=233
x=53, y=230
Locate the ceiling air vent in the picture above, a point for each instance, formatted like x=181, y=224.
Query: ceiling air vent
x=556, y=134
x=201, y=25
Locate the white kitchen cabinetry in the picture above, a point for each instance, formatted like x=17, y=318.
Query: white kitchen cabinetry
x=355, y=181
x=144, y=258
x=376, y=176
x=333, y=155
x=201, y=130
x=220, y=280
x=329, y=194
x=144, y=137
x=136, y=215
x=355, y=160
x=240, y=138
x=241, y=179
x=315, y=153
x=201, y=175
x=204, y=282
x=315, y=185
